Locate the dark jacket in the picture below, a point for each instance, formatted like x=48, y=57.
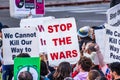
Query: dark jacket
x=114, y=2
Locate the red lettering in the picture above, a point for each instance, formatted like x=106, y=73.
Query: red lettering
x=42, y=41
x=54, y=55
x=56, y=27
x=62, y=41
x=50, y=29
x=40, y=28
x=62, y=55
x=68, y=54
x=55, y=41
x=74, y=52
x=63, y=27
x=68, y=40
x=69, y=25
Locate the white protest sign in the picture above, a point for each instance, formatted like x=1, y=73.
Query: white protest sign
x=22, y=8
x=34, y=22
x=38, y=24
x=19, y=40
x=112, y=49
x=100, y=39
x=113, y=16
x=62, y=41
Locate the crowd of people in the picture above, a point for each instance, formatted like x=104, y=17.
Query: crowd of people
x=91, y=65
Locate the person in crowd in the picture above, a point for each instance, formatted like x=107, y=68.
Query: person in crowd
x=101, y=78
x=114, y=2
x=63, y=70
x=44, y=57
x=23, y=55
x=7, y=70
x=83, y=37
x=83, y=67
x=91, y=52
x=25, y=75
x=103, y=66
x=1, y=47
x=68, y=78
x=115, y=70
x=93, y=74
x=92, y=31
x=44, y=71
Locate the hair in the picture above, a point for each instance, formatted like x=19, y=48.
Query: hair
x=64, y=69
x=23, y=55
x=68, y=78
x=93, y=74
x=85, y=63
x=101, y=78
x=3, y=26
x=92, y=48
x=115, y=66
x=44, y=69
x=25, y=75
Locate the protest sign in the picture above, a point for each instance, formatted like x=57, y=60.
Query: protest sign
x=112, y=52
x=38, y=24
x=31, y=65
x=112, y=49
x=19, y=40
x=22, y=8
x=34, y=22
x=113, y=16
x=62, y=41
x=100, y=39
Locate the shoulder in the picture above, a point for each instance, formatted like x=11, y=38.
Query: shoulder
x=81, y=75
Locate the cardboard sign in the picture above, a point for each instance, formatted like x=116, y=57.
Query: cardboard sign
x=31, y=65
x=22, y=8
x=112, y=50
x=19, y=40
x=38, y=24
x=62, y=41
x=113, y=16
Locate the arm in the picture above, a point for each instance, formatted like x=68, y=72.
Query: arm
x=100, y=56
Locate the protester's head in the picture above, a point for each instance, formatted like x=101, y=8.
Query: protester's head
x=3, y=26
x=115, y=69
x=43, y=56
x=84, y=64
x=23, y=55
x=64, y=69
x=93, y=74
x=68, y=78
x=101, y=78
x=83, y=32
x=25, y=75
x=92, y=33
x=90, y=47
x=44, y=69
